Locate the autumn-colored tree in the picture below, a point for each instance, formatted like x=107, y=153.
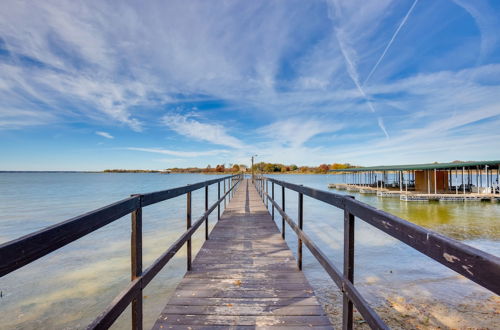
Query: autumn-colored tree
x=220, y=168
x=236, y=168
x=323, y=168
x=338, y=166
x=268, y=167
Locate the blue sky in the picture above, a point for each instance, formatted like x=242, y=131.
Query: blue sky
x=156, y=84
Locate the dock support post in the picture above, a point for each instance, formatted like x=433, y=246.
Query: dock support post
x=347, y=314
x=400, y=182
x=225, y=194
x=498, y=176
x=136, y=263
x=477, y=179
x=206, y=209
x=218, y=198
x=435, y=182
x=301, y=225
x=188, y=225
x=463, y=184
x=406, y=183
x=428, y=182
x=283, y=207
x=272, y=196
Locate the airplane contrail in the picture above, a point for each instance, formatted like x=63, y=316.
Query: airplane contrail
x=391, y=41
x=353, y=74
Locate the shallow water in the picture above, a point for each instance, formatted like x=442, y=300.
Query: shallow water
x=70, y=287
x=386, y=269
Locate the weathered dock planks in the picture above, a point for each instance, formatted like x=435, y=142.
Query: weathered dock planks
x=244, y=276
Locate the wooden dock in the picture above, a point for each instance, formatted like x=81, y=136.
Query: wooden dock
x=244, y=277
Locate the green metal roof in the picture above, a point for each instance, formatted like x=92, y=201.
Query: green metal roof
x=451, y=166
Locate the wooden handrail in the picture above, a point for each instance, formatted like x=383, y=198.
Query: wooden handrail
x=24, y=250
x=476, y=265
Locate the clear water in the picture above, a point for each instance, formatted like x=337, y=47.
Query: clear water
x=70, y=287
x=386, y=269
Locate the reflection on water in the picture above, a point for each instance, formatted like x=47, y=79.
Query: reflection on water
x=70, y=287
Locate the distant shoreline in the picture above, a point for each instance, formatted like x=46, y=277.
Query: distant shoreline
x=51, y=172
x=162, y=172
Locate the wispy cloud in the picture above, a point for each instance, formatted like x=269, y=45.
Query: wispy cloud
x=21, y=118
x=180, y=153
x=213, y=133
x=487, y=21
x=294, y=132
x=105, y=135
x=349, y=54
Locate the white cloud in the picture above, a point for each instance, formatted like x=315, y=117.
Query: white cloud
x=294, y=132
x=213, y=133
x=105, y=135
x=180, y=153
x=21, y=118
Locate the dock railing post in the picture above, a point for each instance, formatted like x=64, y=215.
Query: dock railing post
x=347, y=310
x=267, y=196
x=272, y=196
x=206, y=209
x=301, y=225
x=262, y=188
x=283, y=207
x=188, y=225
x=136, y=263
x=218, y=198
x=225, y=194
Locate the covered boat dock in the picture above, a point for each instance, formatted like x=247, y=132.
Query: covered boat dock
x=457, y=181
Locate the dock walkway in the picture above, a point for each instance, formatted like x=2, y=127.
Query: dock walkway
x=244, y=277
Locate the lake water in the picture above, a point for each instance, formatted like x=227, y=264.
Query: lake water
x=70, y=287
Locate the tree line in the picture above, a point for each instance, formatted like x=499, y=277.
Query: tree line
x=263, y=167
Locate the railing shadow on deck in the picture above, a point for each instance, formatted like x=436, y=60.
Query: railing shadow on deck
x=24, y=250
x=474, y=264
